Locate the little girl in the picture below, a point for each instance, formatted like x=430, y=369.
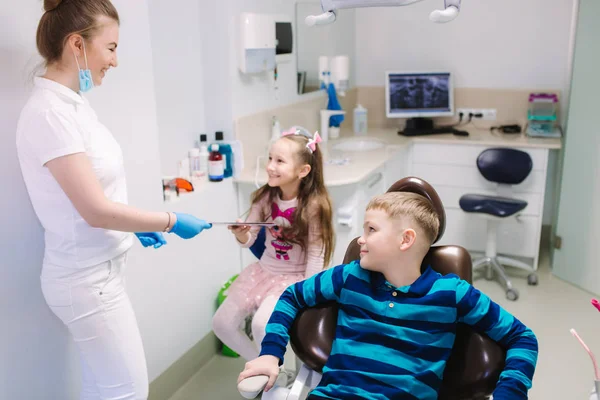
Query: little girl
x=295, y=198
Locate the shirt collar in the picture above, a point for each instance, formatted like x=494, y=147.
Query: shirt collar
x=420, y=287
x=59, y=89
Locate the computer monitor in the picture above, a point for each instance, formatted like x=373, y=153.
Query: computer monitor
x=419, y=94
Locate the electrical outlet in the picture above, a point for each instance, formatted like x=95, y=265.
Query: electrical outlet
x=489, y=114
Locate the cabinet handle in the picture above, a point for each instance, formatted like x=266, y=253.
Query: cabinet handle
x=372, y=182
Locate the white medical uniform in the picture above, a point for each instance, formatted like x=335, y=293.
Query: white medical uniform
x=83, y=268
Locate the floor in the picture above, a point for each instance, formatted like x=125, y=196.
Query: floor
x=551, y=309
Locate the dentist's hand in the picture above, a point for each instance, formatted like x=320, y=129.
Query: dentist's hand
x=148, y=239
x=187, y=226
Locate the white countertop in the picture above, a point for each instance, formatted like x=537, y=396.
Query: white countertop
x=363, y=163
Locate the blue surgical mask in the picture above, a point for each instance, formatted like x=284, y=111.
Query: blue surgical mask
x=85, y=75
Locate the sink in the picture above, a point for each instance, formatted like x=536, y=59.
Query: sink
x=363, y=144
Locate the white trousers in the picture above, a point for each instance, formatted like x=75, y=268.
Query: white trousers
x=94, y=306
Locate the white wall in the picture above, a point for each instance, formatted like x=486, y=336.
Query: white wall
x=492, y=44
x=214, y=23
x=199, y=88
x=255, y=92
x=173, y=290
x=32, y=341
x=178, y=70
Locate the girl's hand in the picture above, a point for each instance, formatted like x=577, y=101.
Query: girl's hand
x=265, y=365
x=240, y=231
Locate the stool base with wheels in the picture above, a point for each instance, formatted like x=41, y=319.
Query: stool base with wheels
x=495, y=209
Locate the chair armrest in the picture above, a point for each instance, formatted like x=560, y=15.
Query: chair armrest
x=473, y=368
x=251, y=387
x=312, y=334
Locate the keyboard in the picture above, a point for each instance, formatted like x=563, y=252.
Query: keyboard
x=433, y=131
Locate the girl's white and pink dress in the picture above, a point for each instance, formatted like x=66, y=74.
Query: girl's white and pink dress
x=283, y=263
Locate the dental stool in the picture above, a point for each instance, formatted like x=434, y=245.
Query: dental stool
x=506, y=167
x=475, y=363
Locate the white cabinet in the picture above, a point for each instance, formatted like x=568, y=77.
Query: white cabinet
x=452, y=170
x=397, y=166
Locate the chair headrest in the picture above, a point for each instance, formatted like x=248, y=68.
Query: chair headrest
x=419, y=186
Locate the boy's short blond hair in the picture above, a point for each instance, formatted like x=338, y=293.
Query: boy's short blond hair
x=412, y=205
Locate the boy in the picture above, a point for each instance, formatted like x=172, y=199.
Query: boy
x=396, y=326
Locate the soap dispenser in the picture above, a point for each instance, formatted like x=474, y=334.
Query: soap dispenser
x=360, y=120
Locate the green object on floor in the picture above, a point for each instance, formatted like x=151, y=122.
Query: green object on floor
x=226, y=351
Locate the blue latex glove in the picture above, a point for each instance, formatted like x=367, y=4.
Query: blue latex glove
x=148, y=239
x=188, y=226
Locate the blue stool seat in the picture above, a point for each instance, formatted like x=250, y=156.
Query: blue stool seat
x=491, y=205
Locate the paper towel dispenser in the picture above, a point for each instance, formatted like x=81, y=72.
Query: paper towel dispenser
x=257, y=43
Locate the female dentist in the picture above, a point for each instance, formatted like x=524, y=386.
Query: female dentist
x=73, y=170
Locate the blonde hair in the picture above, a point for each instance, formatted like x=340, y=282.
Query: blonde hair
x=405, y=204
x=62, y=18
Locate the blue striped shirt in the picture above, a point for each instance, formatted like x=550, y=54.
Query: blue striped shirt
x=393, y=343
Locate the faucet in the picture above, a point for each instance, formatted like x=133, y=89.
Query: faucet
x=325, y=114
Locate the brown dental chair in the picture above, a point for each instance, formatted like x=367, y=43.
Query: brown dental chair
x=476, y=361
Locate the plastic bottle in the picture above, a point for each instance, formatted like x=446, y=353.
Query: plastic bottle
x=227, y=153
x=275, y=129
x=203, y=155
x=194, y=157
x=215, y=164
x=183, y=168
x=360, y=120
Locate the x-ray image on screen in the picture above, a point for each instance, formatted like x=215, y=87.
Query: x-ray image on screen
x=419, y=92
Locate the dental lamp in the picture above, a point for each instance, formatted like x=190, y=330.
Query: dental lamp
x=449, y=13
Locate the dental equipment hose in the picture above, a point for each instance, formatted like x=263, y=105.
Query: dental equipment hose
x=596, y=373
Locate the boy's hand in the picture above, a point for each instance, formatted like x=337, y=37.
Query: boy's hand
x=240, y=231
x=264, y=365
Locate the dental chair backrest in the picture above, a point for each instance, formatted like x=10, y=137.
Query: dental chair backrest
x=476, y=361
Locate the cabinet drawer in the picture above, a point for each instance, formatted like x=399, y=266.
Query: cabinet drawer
x=517, y=238
x=451, y=195
x=450, y=154
x=471, y=178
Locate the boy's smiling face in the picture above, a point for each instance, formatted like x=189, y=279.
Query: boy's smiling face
x=383, y=241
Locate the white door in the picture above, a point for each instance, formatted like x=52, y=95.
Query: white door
x=578, y=261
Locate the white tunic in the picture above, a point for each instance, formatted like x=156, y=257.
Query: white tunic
x=56, y=121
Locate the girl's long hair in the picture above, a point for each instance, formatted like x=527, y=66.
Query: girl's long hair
x=313, y=200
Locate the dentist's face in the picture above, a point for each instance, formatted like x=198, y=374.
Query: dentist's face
x=101, y=50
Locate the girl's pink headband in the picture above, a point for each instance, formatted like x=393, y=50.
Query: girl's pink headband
x=312, y=142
